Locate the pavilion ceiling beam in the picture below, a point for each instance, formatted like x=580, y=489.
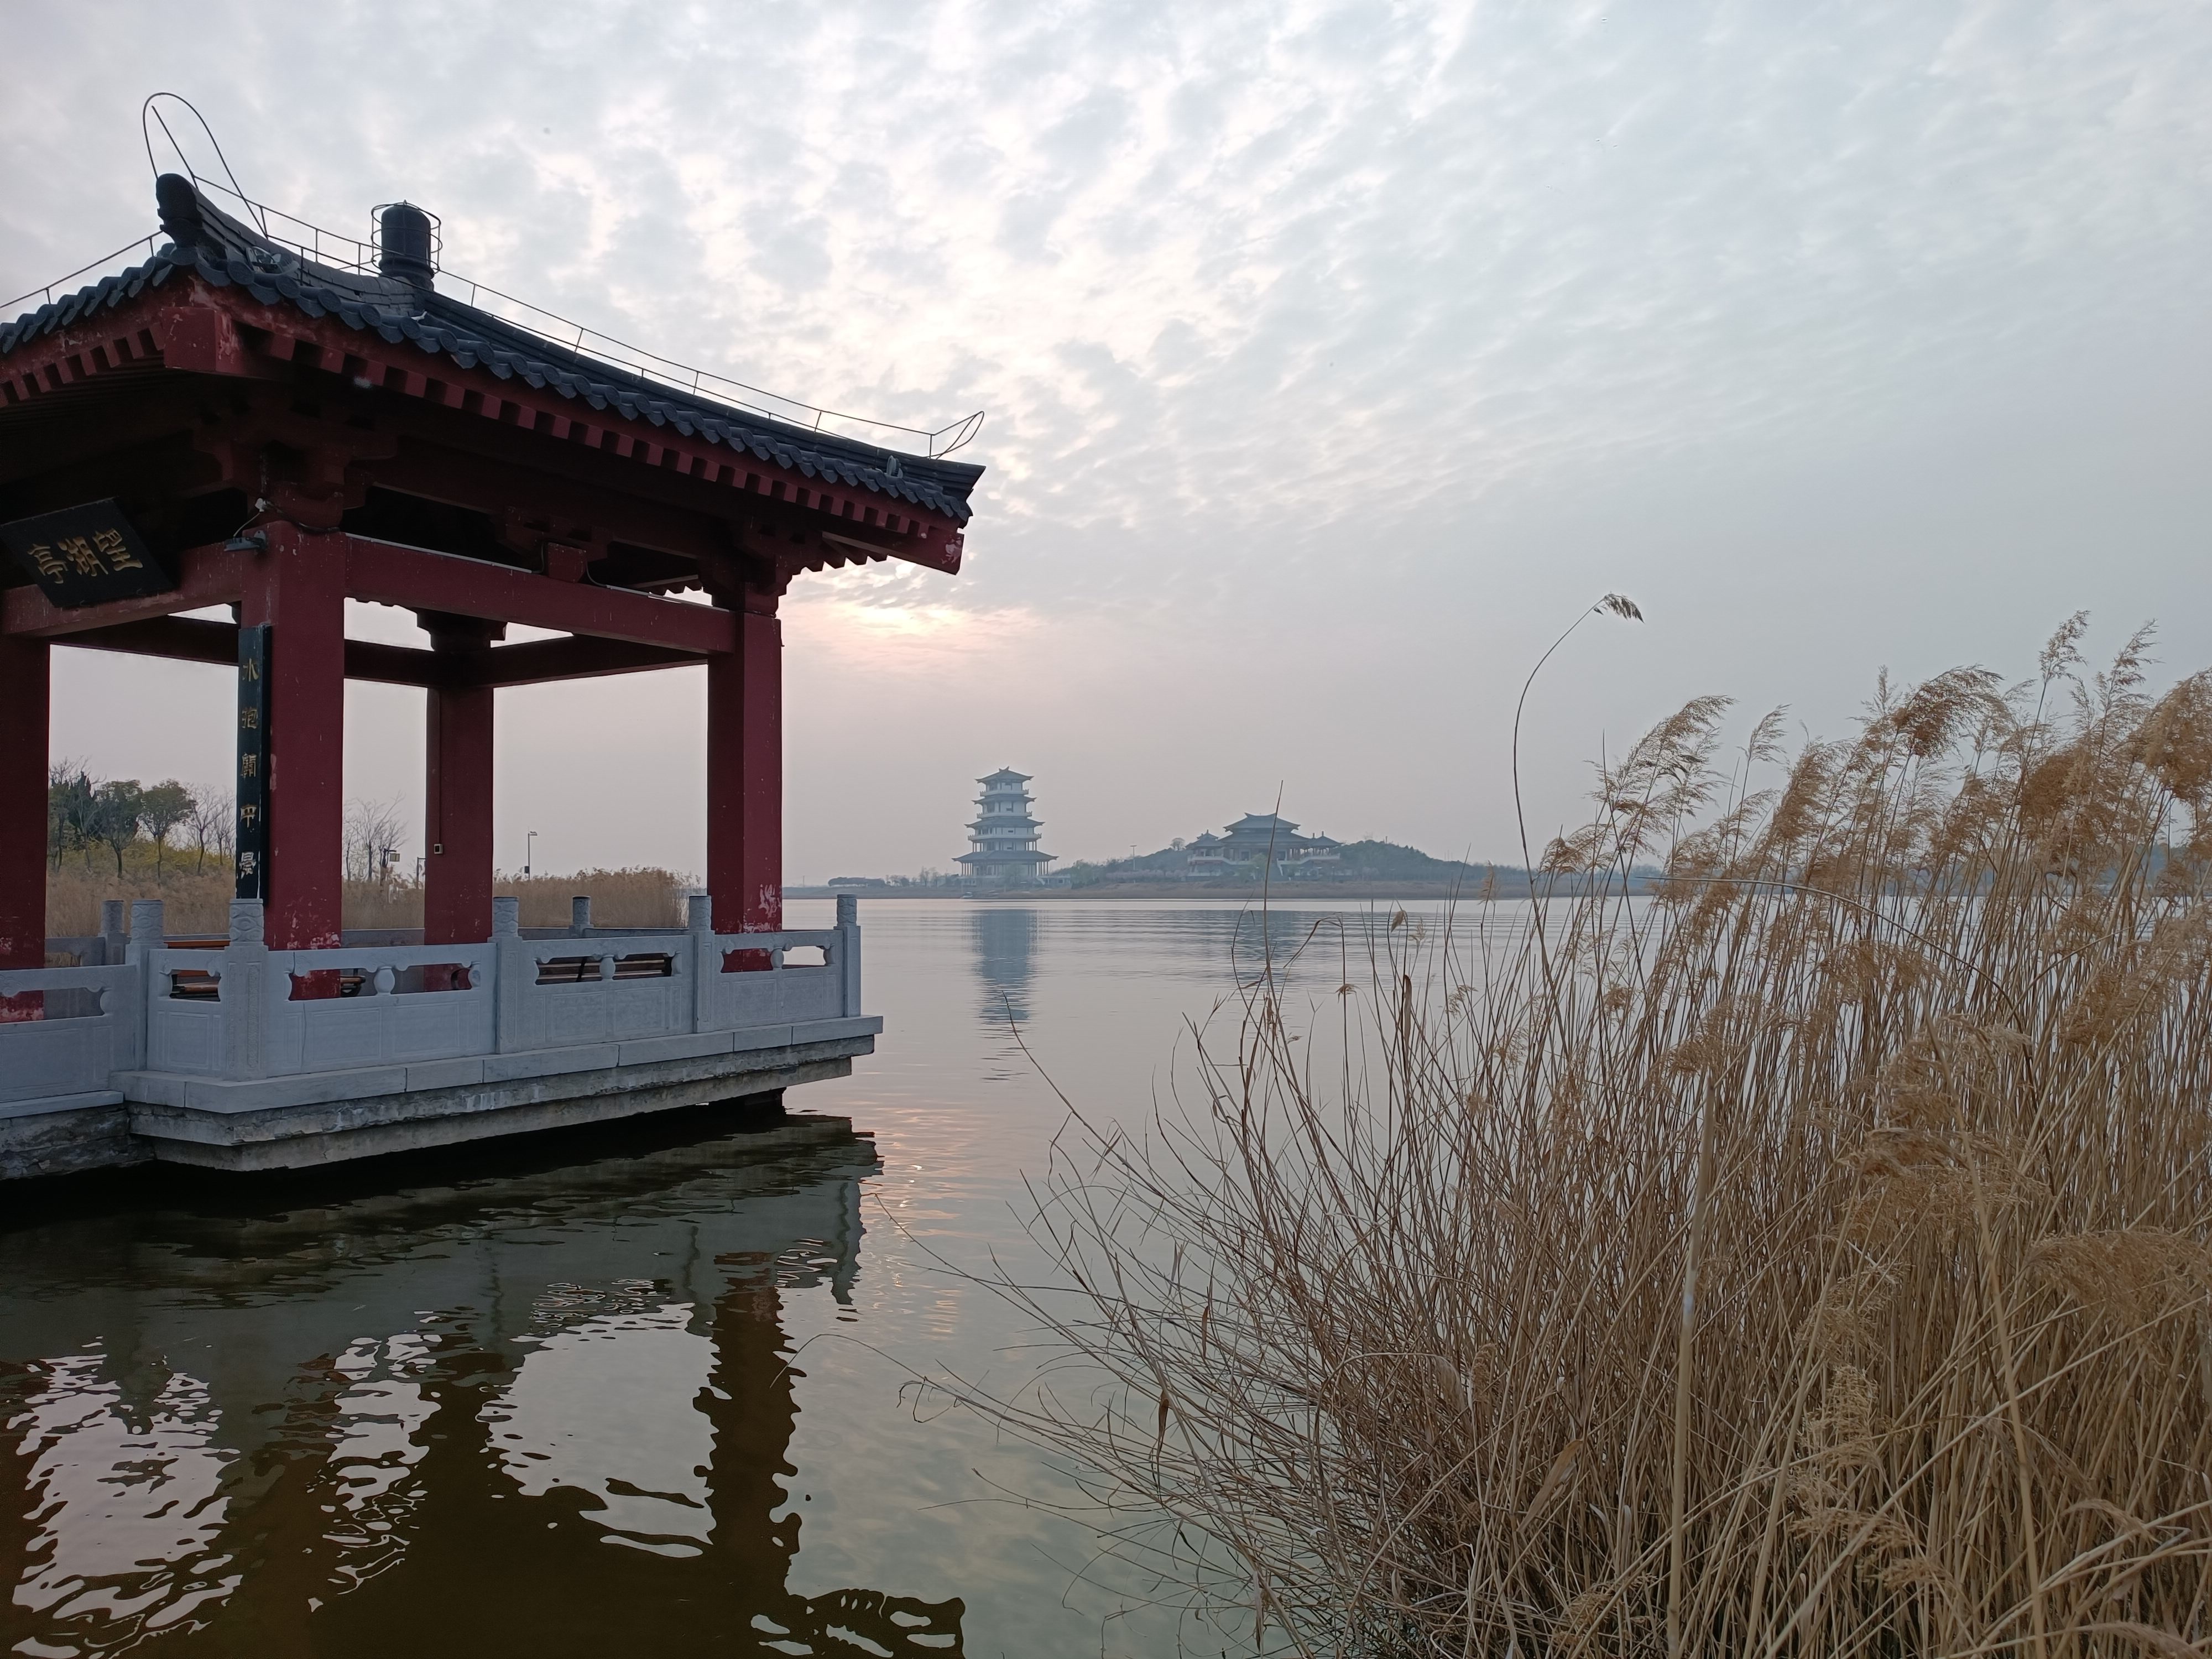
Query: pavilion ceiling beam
x=195, y=639
x=385, y=572
x=181, y=639
x=391, y=664
x=213, y=574
x=534, y=662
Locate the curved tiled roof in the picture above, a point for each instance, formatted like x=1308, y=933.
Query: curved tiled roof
x=222, y=252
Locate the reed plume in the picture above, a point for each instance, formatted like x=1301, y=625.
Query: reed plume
x=637, y=896
x=1810, y=1259
x=198, y=899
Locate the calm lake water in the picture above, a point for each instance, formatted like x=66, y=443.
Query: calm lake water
x=644, y=1390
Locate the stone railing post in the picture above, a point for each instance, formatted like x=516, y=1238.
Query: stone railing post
x=699, y=928
x=145, y=925
x=146, y=937
x=848, y=951
x=243, y=992
x=512, y=973
x=579, y=914
x=113, y=938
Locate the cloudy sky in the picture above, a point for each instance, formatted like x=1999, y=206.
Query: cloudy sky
x=1334, y=356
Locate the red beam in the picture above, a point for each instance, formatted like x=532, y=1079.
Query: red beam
x=183, y=639
x=536, y=662
x=195, y=639
x=391, y=664
x=388, y=573
x=210, y=575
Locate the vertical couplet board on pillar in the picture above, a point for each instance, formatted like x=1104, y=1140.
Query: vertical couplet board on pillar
x=745, y=779
x=24, y=698
x=252, y=772
x=296, y=588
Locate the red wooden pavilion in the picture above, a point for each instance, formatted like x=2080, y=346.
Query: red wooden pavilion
x=233, y=422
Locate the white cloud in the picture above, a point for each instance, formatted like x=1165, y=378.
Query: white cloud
x=1323, y=344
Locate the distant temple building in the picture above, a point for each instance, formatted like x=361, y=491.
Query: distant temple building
x=1003, y=839
x=1248, y=844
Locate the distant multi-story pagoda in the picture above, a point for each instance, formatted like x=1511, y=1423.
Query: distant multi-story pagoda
x=1003, y=839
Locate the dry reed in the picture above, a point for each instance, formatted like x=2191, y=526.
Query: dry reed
x=1811, y=1260
x=639, y=898
x=198, y=898
x=196, y=894
x=634, y=898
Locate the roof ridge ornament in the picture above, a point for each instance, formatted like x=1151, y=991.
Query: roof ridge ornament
x=178, y=204
x=407, y=240
x=149, y=116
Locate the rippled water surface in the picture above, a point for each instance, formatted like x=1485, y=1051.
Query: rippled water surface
x=644, y=1390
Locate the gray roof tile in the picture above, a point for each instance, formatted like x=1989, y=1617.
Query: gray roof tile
x=222, y=251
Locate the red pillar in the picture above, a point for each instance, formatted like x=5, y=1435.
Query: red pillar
x=25, y=699
x=298, y=588
x=744, y=775
x=457, y=791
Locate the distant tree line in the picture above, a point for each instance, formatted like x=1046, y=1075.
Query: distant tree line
x=85, y=813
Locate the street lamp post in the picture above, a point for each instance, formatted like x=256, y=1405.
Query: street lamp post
x=529, y=851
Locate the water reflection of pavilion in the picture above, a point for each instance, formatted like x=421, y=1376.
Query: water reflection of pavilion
x=546, y=1413
x=1005, y=941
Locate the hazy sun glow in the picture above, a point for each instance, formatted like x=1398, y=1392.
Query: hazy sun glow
x=1334, y=356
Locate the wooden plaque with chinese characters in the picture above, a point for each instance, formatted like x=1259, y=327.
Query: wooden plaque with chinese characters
x=85, y=555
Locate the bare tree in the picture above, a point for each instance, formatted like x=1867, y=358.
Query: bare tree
x=208, y=824
x=224, y=837
x=375, y=830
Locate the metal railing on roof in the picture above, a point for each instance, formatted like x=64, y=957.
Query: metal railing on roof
x=342, y=252
x=45, y=295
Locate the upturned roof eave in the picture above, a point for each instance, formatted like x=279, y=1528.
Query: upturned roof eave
x=225, y=252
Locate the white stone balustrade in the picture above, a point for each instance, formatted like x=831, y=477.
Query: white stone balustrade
x=244, y=1013
x=64, y=1032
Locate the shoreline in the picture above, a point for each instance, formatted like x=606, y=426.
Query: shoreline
x=1280, y=893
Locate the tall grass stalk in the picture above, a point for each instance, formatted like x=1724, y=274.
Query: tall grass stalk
x=637, y=897
x=1814, y=1259
x=197, y=896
